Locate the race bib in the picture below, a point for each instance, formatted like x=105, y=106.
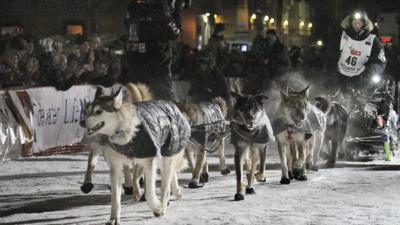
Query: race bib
x=354, y=55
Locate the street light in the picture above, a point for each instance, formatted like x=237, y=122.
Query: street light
x=310, y=25
x=286, y=23
x=301, y=24
x=266, y=18
x=272, y=20
x=253, y=18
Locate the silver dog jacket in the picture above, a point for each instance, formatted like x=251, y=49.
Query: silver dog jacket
x=262, y=134
x=163, y=131
x=316, y=119
x=211, y=124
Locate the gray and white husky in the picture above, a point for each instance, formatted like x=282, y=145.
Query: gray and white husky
x=297, y=139
x=152, y=134
x=137, y=93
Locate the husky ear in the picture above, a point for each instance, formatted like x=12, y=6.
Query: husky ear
x=284, y=96
x=305, y=92
x=99, y=92
x=117, y=102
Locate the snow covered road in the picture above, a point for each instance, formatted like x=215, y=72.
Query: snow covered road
x=45, y=190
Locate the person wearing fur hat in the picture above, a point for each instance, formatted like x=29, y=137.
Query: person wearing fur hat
x=361, y=53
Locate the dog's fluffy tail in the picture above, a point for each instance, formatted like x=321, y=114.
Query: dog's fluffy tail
x=322, y=104
x=139, y=92
x=222, y=104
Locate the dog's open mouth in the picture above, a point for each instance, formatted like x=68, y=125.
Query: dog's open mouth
x=250, y=126
x=297, y=121
x=95, y=128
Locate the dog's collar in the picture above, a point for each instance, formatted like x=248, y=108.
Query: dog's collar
x=259, y=135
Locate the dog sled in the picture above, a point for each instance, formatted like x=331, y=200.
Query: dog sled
x=372, y=123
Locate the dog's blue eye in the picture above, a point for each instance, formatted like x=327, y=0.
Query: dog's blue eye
x=99, y=111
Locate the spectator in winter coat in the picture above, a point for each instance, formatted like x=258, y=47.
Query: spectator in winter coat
x=216, y=45
x=207, y=82
x=276, y=56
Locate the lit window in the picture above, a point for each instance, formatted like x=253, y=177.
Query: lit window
x=74, y=30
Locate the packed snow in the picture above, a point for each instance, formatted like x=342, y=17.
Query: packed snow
x=46, y=190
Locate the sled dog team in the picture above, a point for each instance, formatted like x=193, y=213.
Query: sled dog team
x=153, y=136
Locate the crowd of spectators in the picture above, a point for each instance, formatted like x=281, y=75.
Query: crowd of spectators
x=57, y=61
x=62, y=62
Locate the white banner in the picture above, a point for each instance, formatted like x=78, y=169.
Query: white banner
x=53, y=116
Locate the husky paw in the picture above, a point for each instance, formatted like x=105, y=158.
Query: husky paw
x=158, y=213
x=128, y=190
x=239, y=197
x=250, y=191
x=291, y=177
x=136, y=196
x=260, y=177
x=315, y=168
x=143, y=198
x=204, y=178
x=178, y=194
x=86, y=188
x=195, y=184
x=296, y=173
x=285, y=180
x=330, y=164
x=303, y=178
x=225, y=171
x=113, y=222
x=308, y=165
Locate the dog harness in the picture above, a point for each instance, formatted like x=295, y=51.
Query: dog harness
x=163, y=131
x=211, y=126
x=315, y=117
x=315, y=121
x=280, y=125
x=262, y=134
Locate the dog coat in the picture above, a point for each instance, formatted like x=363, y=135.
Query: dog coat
x=163, y=131
x=211, y=125
x=262, y=134
x=316, y=119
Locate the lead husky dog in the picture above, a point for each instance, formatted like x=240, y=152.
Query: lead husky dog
x=290, y=132
x=251, y=131
x=293, y=130
x=137, y=93
x=152, y=134
x=208, y=126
